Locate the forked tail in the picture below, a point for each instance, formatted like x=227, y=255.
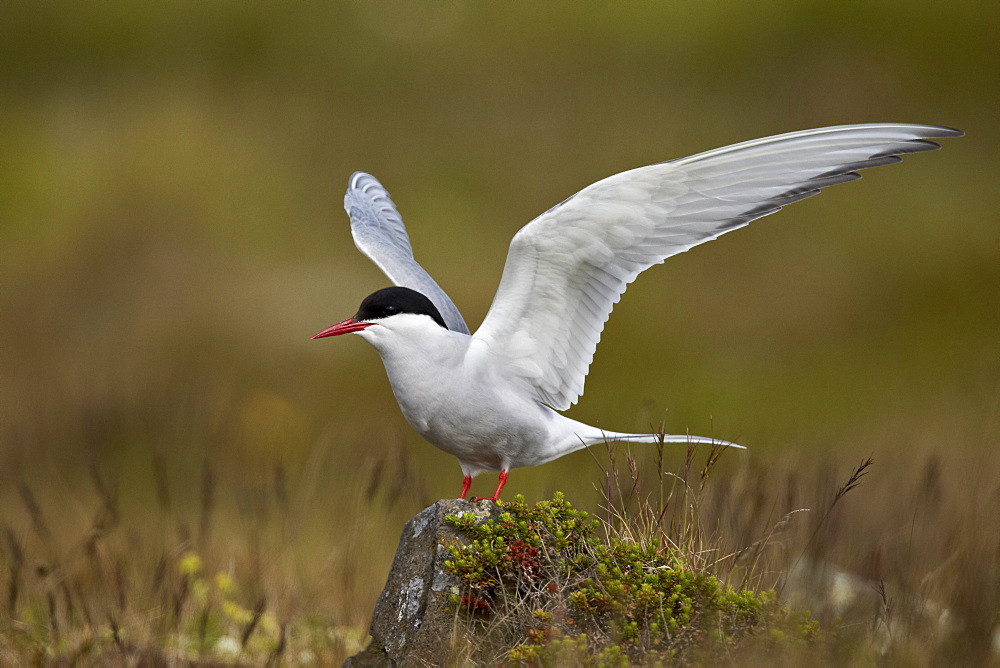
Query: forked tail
x=576, y=435
x=610, y=436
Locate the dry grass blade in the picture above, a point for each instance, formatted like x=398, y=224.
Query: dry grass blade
x=121, y=586
x=258, y=610
x=116, y=633
x=179, y=598
x=668, y=517
x=754, y=572
x=852, y=483
x=108, y=515
x=84, y=605
x=281, y=487
x=207, y=504
x=67, y=598
x=53, y=620
x=162, y=486
x=274, y=659
x=14, y=571
x=38, y=522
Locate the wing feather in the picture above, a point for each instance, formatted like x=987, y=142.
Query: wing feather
x=379, y=233
x=567, y=268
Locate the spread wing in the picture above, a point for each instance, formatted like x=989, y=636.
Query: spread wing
x=379, y=233
x=567, y=268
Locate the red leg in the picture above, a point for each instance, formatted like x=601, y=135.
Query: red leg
x=496, y=494
x=466, y=484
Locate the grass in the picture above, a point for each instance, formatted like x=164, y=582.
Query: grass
x=657, y=586
x=685, y=573
x=238, y=573
x=161, y=588
x=540, y=586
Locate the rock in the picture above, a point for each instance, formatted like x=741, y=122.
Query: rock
x=414, y=618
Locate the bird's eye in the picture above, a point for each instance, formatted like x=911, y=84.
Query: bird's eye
x=391, y=310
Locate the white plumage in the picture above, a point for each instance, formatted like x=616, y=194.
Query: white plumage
x=485, y=397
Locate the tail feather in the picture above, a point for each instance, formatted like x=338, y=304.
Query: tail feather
x=573, y=436
x=610, y=436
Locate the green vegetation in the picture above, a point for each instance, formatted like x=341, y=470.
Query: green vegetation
x=548, y=583
x=578, y=598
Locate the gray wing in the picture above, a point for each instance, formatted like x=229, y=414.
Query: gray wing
x=379, y=233
x=566, y=269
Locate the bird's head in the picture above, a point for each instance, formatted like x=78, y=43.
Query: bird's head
x=391, y=310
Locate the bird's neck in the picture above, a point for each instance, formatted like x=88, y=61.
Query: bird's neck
x=424, y=353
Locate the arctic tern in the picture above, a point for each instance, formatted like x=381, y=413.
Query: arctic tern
x=490, y=398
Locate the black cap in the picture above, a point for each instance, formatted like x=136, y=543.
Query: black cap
x=393, y=301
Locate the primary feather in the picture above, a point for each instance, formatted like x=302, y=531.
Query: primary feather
x=567, y=268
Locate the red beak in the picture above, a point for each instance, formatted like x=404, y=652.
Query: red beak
x=345, y=327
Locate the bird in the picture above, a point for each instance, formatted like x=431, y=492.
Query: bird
x=493, y=398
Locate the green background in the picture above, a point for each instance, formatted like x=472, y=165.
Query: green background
x=172, y=234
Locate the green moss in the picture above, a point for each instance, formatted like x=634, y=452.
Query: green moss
x=559, y=594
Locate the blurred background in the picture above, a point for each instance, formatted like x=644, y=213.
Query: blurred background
x=172, y=234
